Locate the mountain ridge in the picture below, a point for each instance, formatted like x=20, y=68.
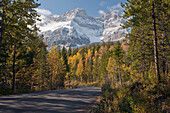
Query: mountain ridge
x=75, y=28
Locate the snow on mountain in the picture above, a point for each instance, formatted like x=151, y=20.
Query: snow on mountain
x=113, y=31
x=75, y=28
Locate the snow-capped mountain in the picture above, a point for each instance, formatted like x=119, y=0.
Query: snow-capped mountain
x=112, y=29
x=76, y=28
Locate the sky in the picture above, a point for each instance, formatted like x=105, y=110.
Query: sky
x=93, y=8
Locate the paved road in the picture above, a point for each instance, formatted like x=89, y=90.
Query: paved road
x=59, y=101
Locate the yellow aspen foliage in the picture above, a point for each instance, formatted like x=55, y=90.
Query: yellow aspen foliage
x=80, y=68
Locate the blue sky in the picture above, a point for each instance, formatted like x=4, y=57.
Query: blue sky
x=93, y=7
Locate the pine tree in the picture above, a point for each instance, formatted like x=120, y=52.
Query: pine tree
x=146, y=18
x=64, y=57
x=69, y=52
x=16, y=17
x=118, y=58
x=103, y=64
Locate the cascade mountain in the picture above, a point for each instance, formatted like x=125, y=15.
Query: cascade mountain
x=76, y=28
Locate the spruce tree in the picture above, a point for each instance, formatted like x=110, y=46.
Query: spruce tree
x=64, y=57
x=118, y=58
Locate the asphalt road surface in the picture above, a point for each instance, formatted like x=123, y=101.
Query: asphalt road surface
x=77, y=100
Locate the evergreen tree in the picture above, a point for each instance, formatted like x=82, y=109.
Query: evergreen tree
x=102, y=69
x=69, y=52
x=118, y=58
x=146, y=18
x=64, y=57
x=17, y=31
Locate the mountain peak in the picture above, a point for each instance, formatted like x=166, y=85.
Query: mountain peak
x=76, y=28
x=76, y=12
x=79, y=10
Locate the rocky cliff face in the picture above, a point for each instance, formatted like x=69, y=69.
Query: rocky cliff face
x=76, y=28
x=112, y=29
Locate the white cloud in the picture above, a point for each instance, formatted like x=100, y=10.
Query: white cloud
x=101, y=12
x=103, y=3
x=44, y=11
x=115, y=7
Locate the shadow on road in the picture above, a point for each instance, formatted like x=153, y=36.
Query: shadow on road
x=59, y=101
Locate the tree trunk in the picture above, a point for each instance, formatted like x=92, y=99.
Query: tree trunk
x=115, y=79
x=120, y=78
x=43, y=76
x=143, y=55
x=143, y=64
x=161, y=24
x=155, y=43
x=13, y=81
x=52, y=80
x=2, y=27
x=163, y=57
